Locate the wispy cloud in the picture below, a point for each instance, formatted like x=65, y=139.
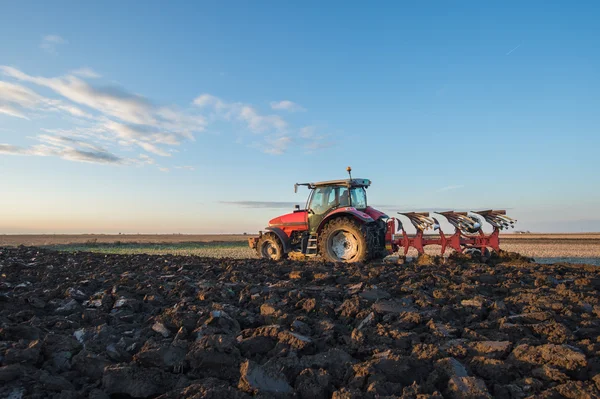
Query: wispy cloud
x=449, y=188
x=190, y=168
x=277, y=145
x=519, y=45
x=273, y=129
x=115, y=120
x=51, y=42
x=308, y=132
x=254, y=120
x=111, y=101
x=10, y=110
x=287, y=106
x=261, y=123
x=163, y=169
x=146, y=159
x=17, y=101
x=261, y=204
x=111, y=114
x=12, y=149
x=64, y=151
x=313, y=141
x=86, y=72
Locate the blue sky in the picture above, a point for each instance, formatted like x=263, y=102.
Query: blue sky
x=167, y=118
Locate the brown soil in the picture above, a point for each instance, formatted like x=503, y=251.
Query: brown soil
x=139, y=326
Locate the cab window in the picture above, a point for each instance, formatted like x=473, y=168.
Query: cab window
x=326, y=198
x=359, y=198
x=320, y=199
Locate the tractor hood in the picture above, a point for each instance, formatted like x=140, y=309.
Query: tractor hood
x=297, y=218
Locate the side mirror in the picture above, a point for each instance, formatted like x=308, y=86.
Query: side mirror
x=296, y=188
x=297, y=207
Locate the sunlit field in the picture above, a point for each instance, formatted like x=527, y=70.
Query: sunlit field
x=236, y=250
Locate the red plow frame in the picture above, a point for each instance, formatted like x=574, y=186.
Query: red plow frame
x=468, y=235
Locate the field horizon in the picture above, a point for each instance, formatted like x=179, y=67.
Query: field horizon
x=57, y=239
x=551, y=246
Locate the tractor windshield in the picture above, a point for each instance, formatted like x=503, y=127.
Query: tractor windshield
x=325, y=198
x=359, y=197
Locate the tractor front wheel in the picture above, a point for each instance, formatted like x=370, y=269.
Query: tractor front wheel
x=269, y=247
x=343, y=240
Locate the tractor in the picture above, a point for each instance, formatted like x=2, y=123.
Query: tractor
x=339, y=225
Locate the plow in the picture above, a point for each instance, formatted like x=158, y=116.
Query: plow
x=468, y=236
x=338, y=225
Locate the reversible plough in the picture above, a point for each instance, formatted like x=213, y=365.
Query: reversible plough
x=468, y=236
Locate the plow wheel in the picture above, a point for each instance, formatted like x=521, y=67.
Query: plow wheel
x=343, y=240
x=269, y=247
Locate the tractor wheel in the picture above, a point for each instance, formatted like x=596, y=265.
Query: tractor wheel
x=269, y=247
x=343, y=240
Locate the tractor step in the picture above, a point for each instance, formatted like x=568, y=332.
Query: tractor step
x=311, y=248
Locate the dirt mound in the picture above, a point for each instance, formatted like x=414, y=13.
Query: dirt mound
x=139, y=326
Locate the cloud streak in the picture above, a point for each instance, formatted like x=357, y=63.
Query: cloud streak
x=51, y=42
x=17, y=101
x=514, y=49
x=111, y=101
x=86, y=72
x=261, y=204
x=65, y=152
x=287, y=105
x=284, y=204
x=450, y=188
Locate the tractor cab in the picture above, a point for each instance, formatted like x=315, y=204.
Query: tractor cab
x=328, y=196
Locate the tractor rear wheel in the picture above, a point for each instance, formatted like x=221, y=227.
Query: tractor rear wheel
x=343, y=240
x=269, y=247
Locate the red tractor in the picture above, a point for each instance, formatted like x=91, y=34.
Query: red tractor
x=339, y=225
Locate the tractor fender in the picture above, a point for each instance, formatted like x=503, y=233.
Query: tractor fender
x=282, y=237
x=355, y=213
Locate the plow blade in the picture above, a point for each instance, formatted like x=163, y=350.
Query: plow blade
x=420, y=220
x=461, y=221
x=497, y=219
